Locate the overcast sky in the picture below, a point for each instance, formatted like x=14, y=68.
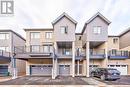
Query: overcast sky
x=40, y=13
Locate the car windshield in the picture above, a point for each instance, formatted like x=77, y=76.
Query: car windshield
x=113, y=71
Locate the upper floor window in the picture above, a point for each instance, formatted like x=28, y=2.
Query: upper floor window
x=97, y=29
x=47, y=48
x=48, y=35
x=35, y=35
x=115, y=40
x=64, y=29
x=5, y=49
x=4, y=36
x=35, y=48
x=66, y=51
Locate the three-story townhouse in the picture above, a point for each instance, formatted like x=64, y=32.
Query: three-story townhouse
x=8, y=40
x=60, y=51
x=95, y=33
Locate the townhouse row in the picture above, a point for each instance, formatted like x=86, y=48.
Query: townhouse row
x=60, y=51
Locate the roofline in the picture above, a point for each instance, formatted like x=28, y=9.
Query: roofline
x=78, y=34
x=113, y=36
x=38, y=29
x=64, y=15
x=93, y=17
x=124, y=32
x=8, y=30
x=100, y=15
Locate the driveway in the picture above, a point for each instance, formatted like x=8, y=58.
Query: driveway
x=124, y=80
x=40, y=80
x=5, y=78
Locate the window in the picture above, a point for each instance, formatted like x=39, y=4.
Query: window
x=66, y=51
x=4, y=49
x=114, y=51
x=47, y=48
x=35, y=48
x=4, y=36
x=48, y=35
x=64, y=29
x=97, y=30
x=35, y=35
x=115, y=40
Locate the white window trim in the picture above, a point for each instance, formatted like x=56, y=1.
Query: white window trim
x=32, y=35
x=48, y=35
x=65, y=31
x=5, y=36
x=97, y=29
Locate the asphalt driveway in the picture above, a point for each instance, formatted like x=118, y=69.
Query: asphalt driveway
x=40, y=80
x=124, y=80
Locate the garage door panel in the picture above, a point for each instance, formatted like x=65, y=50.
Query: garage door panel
x=64, y=69
x=41, y=70
x=122, y=68
x=3, y=70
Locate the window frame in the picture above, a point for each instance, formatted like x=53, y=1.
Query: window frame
x=115, y=40
x=65, y=31
x=33, y=49
x=5, y=36
x=32, y=35
x=48, y=35
x=97, y=29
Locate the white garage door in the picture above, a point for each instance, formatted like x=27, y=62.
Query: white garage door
x=41, y=69
x=121, y=68
x=64, y=69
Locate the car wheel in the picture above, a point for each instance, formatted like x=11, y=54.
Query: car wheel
x=102, y=77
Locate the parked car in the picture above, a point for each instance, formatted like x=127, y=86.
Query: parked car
x=106, y=73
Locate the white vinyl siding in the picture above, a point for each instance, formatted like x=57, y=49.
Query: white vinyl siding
x=35, y=35
x=4, y=36
x=97, y=29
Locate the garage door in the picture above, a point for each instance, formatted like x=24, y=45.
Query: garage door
x=64, y=69
x=41, y=69
x=3, y=70
x=121, y=68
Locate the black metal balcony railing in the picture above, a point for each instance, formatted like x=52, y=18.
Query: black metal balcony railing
x=119, y=54
x=30, y=49
x=94, y=54
x=97, y=52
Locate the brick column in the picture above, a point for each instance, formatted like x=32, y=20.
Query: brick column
x=105, y=61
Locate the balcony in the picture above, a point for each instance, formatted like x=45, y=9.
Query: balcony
x=114, y=54
x=97, y=54
x=34, y=51
x=5, y=56
x=64, y=56
x=94, y=54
